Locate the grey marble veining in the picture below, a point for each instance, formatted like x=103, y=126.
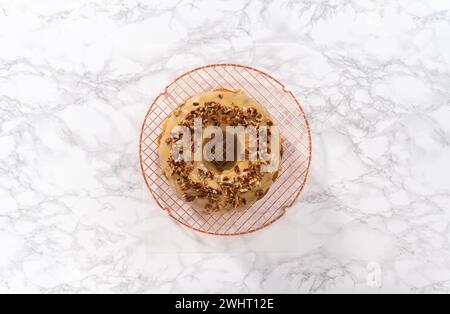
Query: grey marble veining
x=77, y=77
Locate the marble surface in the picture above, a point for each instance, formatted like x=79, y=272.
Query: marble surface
x=76, y=78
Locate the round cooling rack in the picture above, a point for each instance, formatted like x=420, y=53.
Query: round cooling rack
x=287, y=114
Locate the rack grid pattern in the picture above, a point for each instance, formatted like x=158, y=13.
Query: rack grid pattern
x=287, y=114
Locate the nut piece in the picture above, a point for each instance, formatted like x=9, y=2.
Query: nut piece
x=188, y=197
x=177, y=112
x=260, y=194
x=275, y=176
x=237, y=201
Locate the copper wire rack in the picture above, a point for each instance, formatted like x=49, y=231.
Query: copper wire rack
x=286, y=112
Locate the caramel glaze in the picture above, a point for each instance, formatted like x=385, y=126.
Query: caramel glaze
x=196, y=177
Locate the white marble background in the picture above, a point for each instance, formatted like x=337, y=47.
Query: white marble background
x=76, y=78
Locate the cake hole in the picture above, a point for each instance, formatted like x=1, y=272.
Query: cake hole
x=224, y=164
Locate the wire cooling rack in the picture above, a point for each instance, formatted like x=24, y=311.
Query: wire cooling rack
x=287, y=114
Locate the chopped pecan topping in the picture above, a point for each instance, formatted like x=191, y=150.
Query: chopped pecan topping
x=237, y=201
x=275, y=176
x=189, y=197
x=260, y=194
x=177, y=112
